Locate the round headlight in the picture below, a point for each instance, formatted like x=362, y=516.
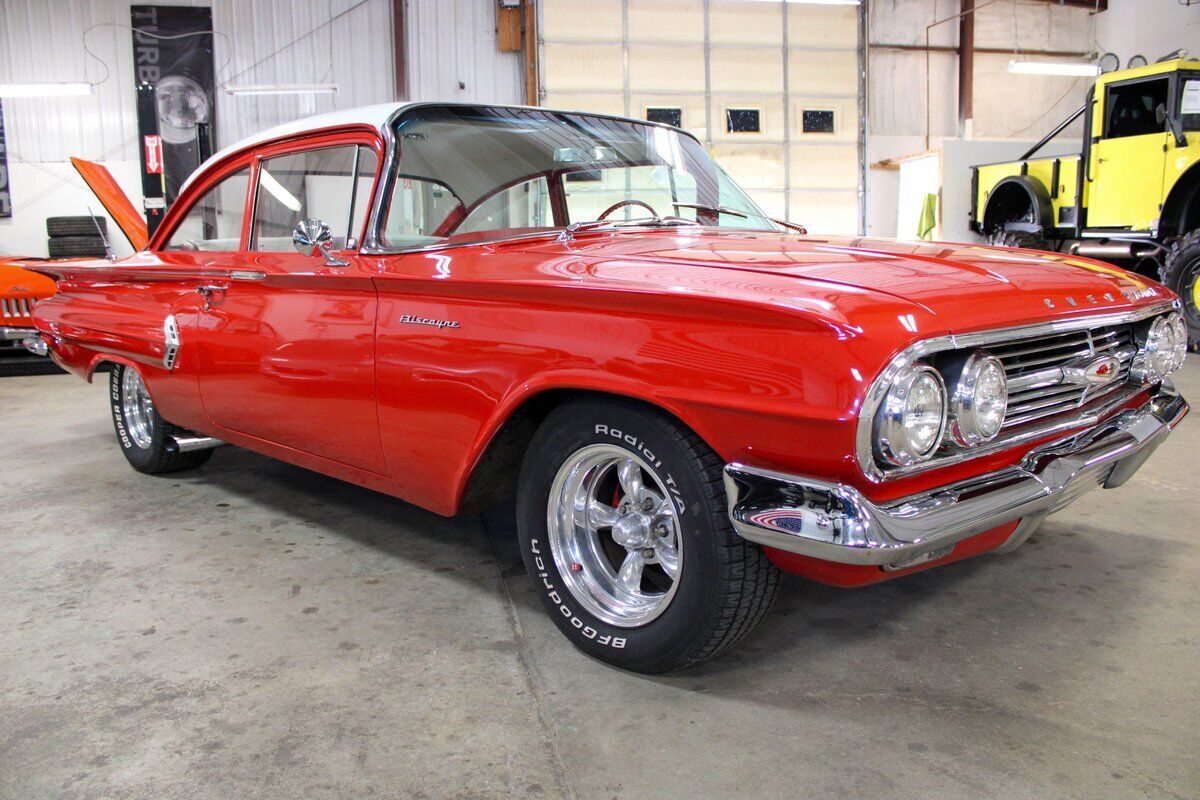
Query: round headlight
x=1158, y=354
x=979, y=401
x=912, y=419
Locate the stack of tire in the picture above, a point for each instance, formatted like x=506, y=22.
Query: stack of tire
x=76, y=237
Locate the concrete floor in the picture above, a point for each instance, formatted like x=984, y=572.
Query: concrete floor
x=254, y=630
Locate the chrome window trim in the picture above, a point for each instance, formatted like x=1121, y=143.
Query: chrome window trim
x=878, y=390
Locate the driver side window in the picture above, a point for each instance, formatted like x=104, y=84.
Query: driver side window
x=214, y=222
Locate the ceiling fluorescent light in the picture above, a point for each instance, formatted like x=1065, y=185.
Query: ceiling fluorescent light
x=284, y=88
x=44, y=89
x=818, y=2
x=1068, y=68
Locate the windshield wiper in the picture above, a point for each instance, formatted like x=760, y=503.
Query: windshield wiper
x=568, y=233
x=733, y=212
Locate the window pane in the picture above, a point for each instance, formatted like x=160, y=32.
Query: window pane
x=214, y=222
x=313, y=184
x=526, y=205
x=1131, y=109
x=368, y=162
x=1189, y=104
x=466, y=170
x=418, y=209
x=658, y=186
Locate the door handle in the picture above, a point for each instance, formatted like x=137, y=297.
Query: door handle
x=207, y=291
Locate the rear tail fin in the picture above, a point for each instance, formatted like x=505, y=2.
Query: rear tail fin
x=115, y=201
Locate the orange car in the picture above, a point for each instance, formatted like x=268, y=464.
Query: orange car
x=20, y=290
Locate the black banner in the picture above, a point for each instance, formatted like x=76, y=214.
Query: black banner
x=181, y=72
x=5, y=195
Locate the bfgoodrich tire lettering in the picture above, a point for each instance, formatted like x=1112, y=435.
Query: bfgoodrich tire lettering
x=142, y=433
x=723, y=585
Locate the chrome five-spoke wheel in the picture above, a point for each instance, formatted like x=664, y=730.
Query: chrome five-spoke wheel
x=137, y=408
x=615, y=535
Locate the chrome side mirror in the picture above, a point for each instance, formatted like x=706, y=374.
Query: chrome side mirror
x=313, y=238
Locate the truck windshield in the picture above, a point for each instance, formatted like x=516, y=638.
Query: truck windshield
x=469, y=173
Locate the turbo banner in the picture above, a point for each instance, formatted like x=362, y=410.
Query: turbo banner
x=173, y=52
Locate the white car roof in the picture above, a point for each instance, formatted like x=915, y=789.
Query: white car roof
x=376, y=116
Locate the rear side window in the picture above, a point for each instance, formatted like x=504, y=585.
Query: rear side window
x=214, y=222
x=332, y=184
x=1130, y=108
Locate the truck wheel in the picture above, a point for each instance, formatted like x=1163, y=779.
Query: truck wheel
x=141, y=431
x=1181, y=272
x=623, y=526
x=1030, y=241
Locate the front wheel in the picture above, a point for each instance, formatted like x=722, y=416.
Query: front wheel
x=1181, y=272
x=142, y=433
x=624, y=531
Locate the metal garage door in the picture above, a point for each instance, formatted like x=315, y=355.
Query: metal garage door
x=772, y=88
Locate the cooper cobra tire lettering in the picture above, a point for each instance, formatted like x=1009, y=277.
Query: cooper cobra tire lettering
x=115, y=393
x=556, y=598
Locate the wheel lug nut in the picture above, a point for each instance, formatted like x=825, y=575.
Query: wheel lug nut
x=648, y=551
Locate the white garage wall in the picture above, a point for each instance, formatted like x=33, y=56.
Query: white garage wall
x=706, y=56
x=43, y=41
x=1151, y=28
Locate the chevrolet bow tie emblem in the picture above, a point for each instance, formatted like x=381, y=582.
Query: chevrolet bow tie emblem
x=1092, y=372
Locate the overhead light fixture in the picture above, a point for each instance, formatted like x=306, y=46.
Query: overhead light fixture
x=284, y=88
x=44, y=89
x=1068, y=68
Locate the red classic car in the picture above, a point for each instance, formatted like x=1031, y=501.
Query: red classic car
x=586, y=314
x=20, y=291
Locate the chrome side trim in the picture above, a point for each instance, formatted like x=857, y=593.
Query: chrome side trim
x=835, y=522
x=879, y=387
x=171, y=342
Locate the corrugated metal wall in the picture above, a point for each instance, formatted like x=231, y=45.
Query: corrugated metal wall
x=1005, y=105
x=43, y=41
x=453, y=55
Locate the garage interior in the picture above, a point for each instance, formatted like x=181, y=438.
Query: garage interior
x=252, y=629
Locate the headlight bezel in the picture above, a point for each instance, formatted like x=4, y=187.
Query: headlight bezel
x=893, y=440
x=966, y=424
x=1161, y=349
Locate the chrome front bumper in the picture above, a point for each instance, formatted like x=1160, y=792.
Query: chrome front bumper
x=16, y=334
x=837, y=523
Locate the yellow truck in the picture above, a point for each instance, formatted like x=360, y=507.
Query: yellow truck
x=1132, y=196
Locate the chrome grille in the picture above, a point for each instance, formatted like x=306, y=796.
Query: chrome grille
x=16, y=306
x=1033, y=368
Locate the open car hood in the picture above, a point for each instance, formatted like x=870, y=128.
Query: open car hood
x=114, y=200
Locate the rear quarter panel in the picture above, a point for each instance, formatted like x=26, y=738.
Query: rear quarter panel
x=115, y=313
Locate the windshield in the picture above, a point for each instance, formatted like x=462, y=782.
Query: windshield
x=470, y=173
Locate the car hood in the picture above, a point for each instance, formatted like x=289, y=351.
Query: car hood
x=968, y=286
